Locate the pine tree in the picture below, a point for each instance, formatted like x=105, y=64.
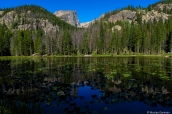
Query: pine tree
x=5, y=35
x=131, y=42
x=67, y=46
x=38, y=45
x=138, y=38
x=101, y=45
x=84, y=44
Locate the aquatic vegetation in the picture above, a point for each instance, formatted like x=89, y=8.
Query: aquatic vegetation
x=81, y=86
x=4, y=110
x=127, y=75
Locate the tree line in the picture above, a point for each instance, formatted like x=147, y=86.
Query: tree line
x=148, y=38
x=152, y=37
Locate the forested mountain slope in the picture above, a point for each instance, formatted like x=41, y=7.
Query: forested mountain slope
x=131, y=30
x=30, y=29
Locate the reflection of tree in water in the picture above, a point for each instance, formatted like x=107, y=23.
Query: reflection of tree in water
x=136, y=90
x=34, y=82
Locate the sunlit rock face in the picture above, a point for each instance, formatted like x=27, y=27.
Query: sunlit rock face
x=68, y=16
x=154, y=15
x=124, y=15
x=1, y=12
x=30, y=23
x=162, y=6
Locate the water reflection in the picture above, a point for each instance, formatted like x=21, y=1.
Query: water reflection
x=86, y=85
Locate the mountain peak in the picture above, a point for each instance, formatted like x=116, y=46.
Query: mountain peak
x=69, y=16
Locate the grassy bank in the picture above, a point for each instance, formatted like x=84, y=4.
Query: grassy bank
x=122, y=55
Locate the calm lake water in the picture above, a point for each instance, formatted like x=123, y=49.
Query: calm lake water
x=121, y=85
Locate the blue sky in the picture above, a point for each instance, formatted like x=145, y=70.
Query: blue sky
x=87, y=10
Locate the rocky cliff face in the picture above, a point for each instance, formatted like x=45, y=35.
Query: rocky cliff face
x=1, y=12
x=68, y=16
x=163, y=6
x=128, y=15
x=29, y=23
x=123, y=15
x=154, y=15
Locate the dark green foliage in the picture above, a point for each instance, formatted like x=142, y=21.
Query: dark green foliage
x=38, y=45
x=84, y=47
x=131, y=42
x=14, y=25
x=147, y=38
x=169, y=36
x=5, y=35
x=101, y=44
x=23, y=44
x=67, y=45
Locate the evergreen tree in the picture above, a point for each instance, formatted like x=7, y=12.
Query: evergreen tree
x=67, y=47
x=5, y=35
x=131, y=42
x=101, y=42
x=38, y=45
x=138, y=38
x=84, y=45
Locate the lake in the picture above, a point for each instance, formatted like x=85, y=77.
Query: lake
x=86, y=85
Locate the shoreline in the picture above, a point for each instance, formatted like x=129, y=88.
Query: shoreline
x=91, y=56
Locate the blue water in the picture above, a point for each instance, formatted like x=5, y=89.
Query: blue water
x=102, y=108
x=134, y=85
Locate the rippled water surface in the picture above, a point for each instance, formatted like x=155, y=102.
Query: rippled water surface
x=118, y=85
